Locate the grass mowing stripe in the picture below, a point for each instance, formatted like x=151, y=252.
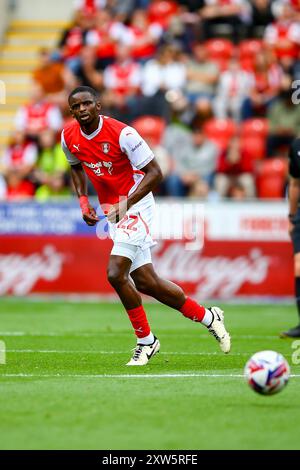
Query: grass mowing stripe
x=129, y=376
x=57, y=351
x=114, y=333
x=89, y=401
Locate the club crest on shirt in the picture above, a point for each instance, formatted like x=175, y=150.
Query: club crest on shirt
x=105, y=147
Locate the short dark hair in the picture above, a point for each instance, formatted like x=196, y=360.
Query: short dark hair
x=84, y=89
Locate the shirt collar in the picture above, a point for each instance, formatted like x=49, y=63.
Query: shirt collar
x=95, y=133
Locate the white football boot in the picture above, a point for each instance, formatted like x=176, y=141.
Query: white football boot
x=218, y=330
x=143, y=352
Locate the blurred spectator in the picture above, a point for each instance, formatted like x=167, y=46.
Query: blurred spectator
x=53, y=77
x=20, y=156
x=90, y=70
x=201, y=74
x=195, y=161
x=123, y=9
x=51, y=171
x=284, y=119
x=261, y=16
x=166, y=72
x=237, y=191
x=232, y=90
x=51, y=158
x=88, y=7
x=73, y=39
x=231, y=13
x=164, y=160
x=38, y=114
x=17, y=187
x=104, y=36
x=123, y=79
x=267, y=80
x=235, y=167
x=191, y=6
x=55, y=187
x=3, y=189
x=142, y=36
x=283, y=36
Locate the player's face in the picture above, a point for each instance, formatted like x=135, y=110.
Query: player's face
x=84, y=108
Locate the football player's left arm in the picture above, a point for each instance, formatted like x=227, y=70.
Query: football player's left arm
x=153, y=177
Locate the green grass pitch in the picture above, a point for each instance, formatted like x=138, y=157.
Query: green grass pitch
x=65, y=384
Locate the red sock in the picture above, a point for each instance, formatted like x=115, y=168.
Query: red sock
x=139, y=321
x=192, y=310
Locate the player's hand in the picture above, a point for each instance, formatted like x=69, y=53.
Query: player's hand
x=88, y=212
x=117, y=212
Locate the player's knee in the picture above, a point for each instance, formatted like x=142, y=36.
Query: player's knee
x=115, y=276
x=145, y=285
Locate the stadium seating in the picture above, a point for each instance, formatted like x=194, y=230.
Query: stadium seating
x=257, y=127
x=150, y=126
x=162, y=11
x=254, y=147
x=271, y=178
x=250, y=47
x=220, y=131
x=220, y=51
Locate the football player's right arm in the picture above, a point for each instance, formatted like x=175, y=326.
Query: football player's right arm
x=80, y=184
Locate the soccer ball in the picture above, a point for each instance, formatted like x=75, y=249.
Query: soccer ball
x=267, y=372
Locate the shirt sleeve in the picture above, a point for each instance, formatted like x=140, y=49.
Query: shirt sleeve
x=69, y=156
x=137, y=150
x=294, y=159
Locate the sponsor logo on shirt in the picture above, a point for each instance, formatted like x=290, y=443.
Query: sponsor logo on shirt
x=98, y=167
x=137, y=146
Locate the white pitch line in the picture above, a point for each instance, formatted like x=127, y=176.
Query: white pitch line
x=122, y=376
x=186, y=353
x=128, y=376
x=115, y=333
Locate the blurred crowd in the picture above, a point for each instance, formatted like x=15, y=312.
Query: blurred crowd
x=211, y=85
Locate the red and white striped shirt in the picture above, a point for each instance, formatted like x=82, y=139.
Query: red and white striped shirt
x=112, y=157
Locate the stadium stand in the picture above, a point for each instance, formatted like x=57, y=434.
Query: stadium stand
x=143, y=58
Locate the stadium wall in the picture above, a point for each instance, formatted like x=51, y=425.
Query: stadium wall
x=218, y=250
x=43, y=9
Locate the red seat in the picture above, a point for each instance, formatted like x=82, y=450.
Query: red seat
x=220, y=131
x=249, y=48
x=162, y=11
x=219, y=49
x=248, y=64
x=271, y=178
x=254, y=147
x=257, y=127
x=150, y=127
